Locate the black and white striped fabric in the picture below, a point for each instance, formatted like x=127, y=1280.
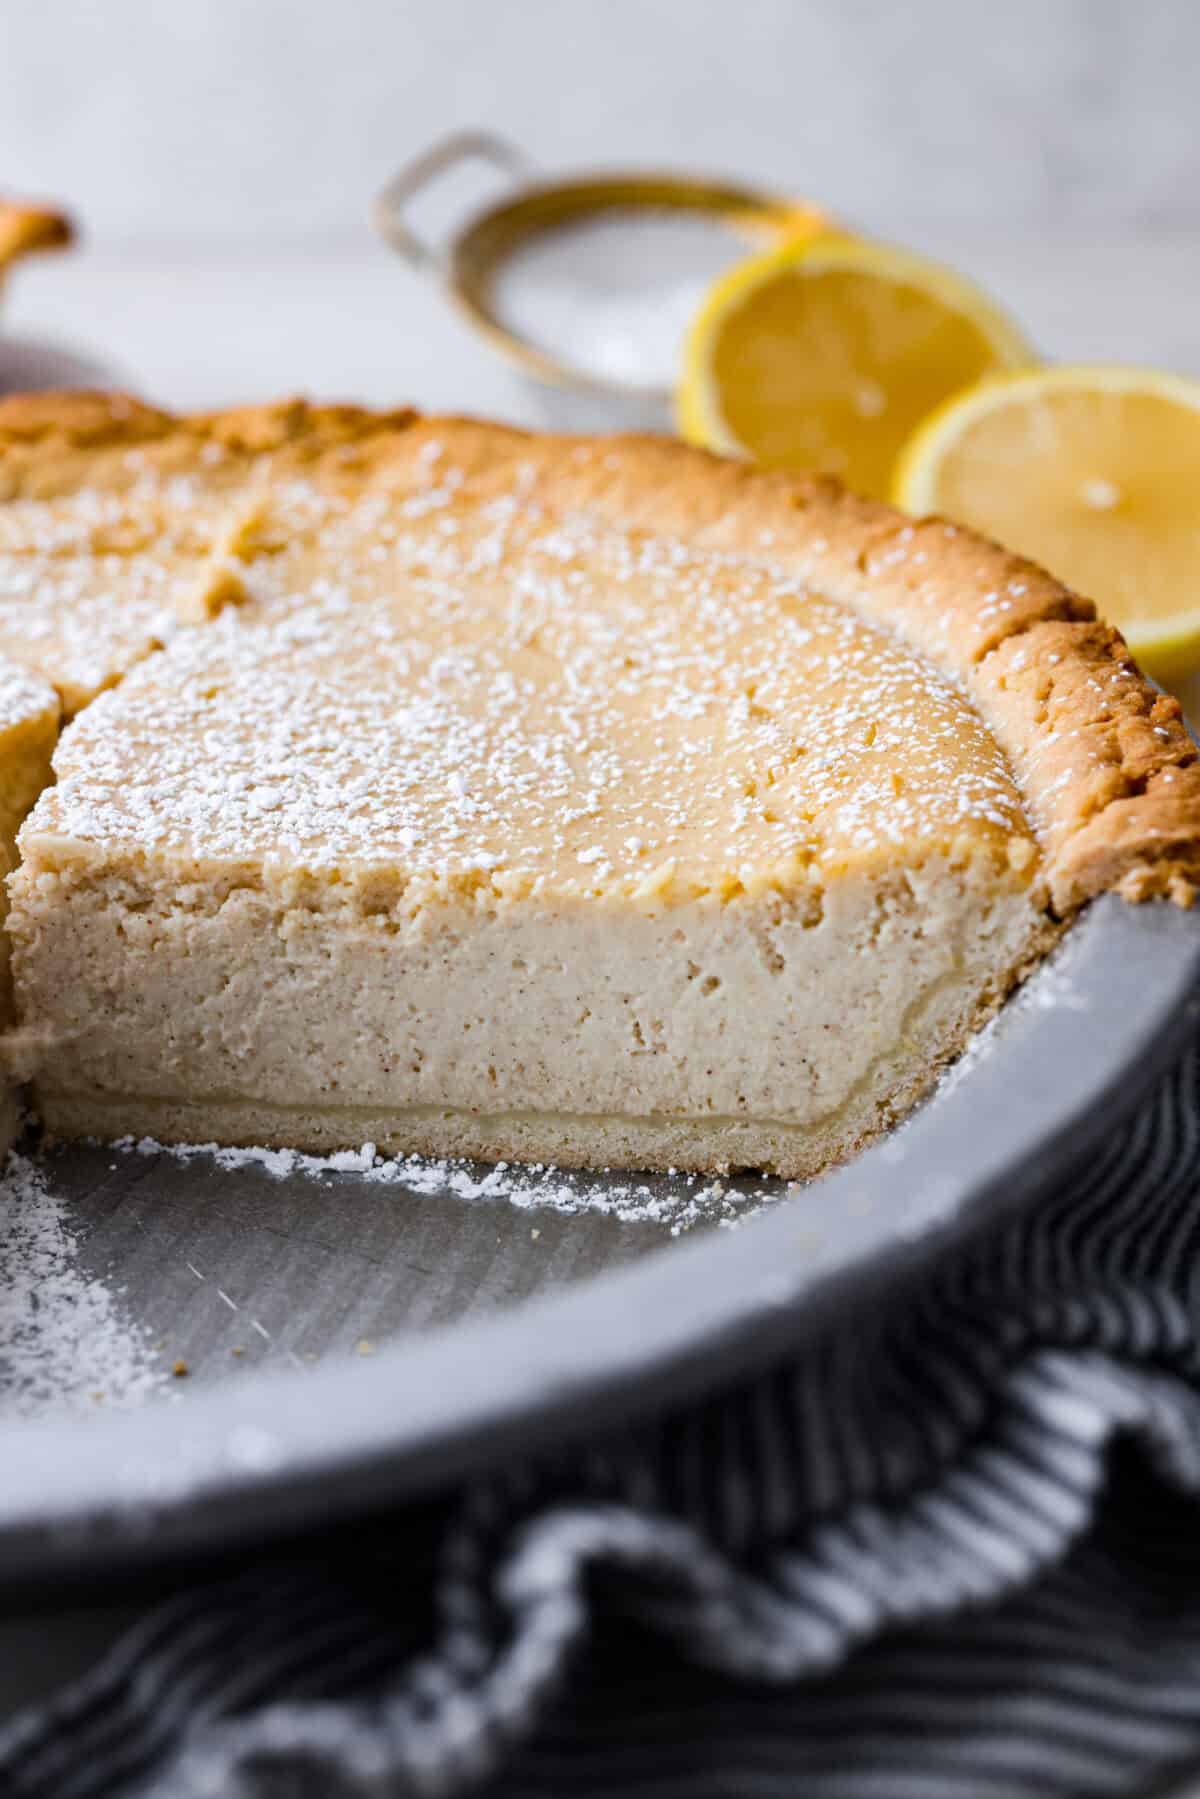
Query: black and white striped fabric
x=956, y=1551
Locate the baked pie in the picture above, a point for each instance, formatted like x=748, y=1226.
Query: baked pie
x=591, y=801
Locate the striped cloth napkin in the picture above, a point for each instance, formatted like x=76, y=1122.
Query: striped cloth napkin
x=953, y=1551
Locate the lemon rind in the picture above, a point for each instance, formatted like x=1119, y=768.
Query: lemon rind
x=914, y=481
x=698, y=414
x=1167, y=648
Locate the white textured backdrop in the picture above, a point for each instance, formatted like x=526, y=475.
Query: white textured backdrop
x=259, y=120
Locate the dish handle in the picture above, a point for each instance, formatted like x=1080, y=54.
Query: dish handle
x=394, y=199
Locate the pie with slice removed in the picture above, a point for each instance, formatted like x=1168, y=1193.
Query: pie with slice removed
x=588, y=801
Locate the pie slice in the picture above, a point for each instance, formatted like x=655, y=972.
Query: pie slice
x=587, y=801
x=29, y=714
x=115, y=518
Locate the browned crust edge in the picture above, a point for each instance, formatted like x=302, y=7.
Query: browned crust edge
x=39, y=429
x=1110, y=773
x=25, y=229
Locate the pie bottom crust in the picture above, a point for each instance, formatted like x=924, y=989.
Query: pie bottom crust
x=561, y=1139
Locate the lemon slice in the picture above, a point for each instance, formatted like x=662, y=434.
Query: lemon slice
x=827, y=352
x=1093, y=472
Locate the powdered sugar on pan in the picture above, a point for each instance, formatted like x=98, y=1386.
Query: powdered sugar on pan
x=64, y=1341
x=675, y=1203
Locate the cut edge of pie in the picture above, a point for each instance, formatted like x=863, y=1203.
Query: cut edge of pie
x=29, y=721
x=800, y=1011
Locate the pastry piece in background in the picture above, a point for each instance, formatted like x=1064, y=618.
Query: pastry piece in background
x=28, y=362
x=581, y=800
x=26, y=229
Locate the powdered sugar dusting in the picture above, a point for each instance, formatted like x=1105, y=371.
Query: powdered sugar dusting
x=431, y=686
x=91, y=582
x=65, y=1343
x=22, y=697
x=676, y=1203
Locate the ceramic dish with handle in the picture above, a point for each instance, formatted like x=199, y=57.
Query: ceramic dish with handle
x=582, y=283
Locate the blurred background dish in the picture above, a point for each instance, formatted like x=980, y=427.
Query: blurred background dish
x=586, y=283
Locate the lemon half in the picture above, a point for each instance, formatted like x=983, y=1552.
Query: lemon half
x=827, y=352
x=1093, y=472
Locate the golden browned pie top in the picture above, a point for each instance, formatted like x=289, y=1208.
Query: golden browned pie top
x=504, y=700
x=25, y=228
x=461, y=651
x=110, y=509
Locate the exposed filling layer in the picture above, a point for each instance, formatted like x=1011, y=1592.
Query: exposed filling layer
x=805, y=1019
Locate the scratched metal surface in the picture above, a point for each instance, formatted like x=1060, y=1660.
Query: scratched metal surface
x=229, y=1270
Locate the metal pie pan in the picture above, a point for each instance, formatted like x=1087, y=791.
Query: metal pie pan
x=244, y=1459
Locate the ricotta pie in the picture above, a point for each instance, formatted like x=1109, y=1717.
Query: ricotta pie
x=587, y=801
